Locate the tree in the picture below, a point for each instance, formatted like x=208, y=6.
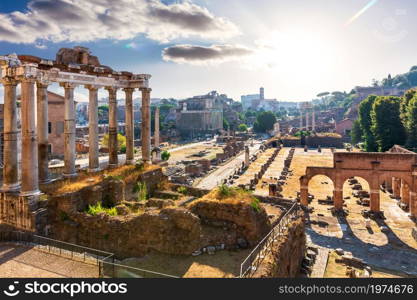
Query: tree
x=387, y=127
x=356, y=133
x=165, y=155
x=411, y=124
x=121, y=142
x=365, y=121
x=264, y=122
x=226, y=124
x=242, y=128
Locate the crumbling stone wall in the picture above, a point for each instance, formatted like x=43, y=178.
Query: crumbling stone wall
x=171, y=230
x=250, y=223
x=285, y=259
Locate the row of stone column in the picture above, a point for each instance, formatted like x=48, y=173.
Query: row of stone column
x=307, y=117
x=34, y=158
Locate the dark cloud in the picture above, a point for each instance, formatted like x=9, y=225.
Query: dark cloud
x=57, y=10
x=199, y=54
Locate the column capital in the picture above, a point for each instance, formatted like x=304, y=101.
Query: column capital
x=27, y=79
x=68, y=85
x=42, y=84
x=92, y=87
x=145, y=89
x=9, y=81
x=111, y=89
x=128, y=90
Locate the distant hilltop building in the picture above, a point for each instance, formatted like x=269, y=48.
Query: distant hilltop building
x=200, y=115
x=258, y=102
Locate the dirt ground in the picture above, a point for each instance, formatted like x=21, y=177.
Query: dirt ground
x=223, y=264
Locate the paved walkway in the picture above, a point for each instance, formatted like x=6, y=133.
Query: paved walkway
x=215, y=178
x=18, y=261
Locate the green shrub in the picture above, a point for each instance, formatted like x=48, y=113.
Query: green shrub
x=256, y=204
x=98, y=208
x=182, y=190
x=226, y=191
x=165, y=155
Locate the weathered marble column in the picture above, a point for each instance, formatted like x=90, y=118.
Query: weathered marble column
x=113, y=146
x=146, y=124
x=93, y=161
x=156, y=135
x=301, y=120
x=42, y=124
x=10, y=169
x=130, y=137
x=69, y=131
x=30, y=181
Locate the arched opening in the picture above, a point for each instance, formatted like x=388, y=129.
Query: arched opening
x=357, y=193
x=320, y=189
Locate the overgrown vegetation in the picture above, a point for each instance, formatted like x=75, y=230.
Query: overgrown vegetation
x=142, y=191
x=256, y=204
x=182, y=190
x=96, y=209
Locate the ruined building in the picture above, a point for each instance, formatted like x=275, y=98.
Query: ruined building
x=200, y=115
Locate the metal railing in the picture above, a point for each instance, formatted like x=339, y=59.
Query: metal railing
x=105, y=261
x=264, y=247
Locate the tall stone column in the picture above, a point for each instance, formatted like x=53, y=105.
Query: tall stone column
x=301, y=120
x=113, y=146
x=10, y=169
x=396, y=187
x=69, y=131
x=93, y=161
x=156, y=135
x=42, y=120
x=30, y=181
x=307, y=120
x=146, y=124
x=313, y=121
x=405, y=193
x=130, y=137
x=413, y=194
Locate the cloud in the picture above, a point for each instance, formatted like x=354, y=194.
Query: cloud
x=83, y=21
x=197, y=55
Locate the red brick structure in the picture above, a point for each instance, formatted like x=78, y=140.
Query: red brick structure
x=375, y=168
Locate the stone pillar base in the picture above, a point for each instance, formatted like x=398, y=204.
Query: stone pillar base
x=131, y=162
x=70, y=175
x=112, y=166
x=10, y=188
x=96, y=170
x=47, y=181
x=22, y=211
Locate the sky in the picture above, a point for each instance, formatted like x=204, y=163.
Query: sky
x=294, y=49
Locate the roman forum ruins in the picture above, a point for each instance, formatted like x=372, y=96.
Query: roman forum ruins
x=72, y=68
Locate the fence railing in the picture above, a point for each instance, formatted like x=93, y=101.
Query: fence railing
x=258, y=254
x=105, y=261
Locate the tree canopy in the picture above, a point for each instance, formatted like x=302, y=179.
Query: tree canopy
x=264, y=122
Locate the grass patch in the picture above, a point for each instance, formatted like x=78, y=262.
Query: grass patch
x=96, y=209
x=142, y=191
x=182, y=190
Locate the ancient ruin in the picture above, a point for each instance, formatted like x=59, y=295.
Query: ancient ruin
x=71, y=68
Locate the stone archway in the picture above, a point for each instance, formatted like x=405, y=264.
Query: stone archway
x=375, y=168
